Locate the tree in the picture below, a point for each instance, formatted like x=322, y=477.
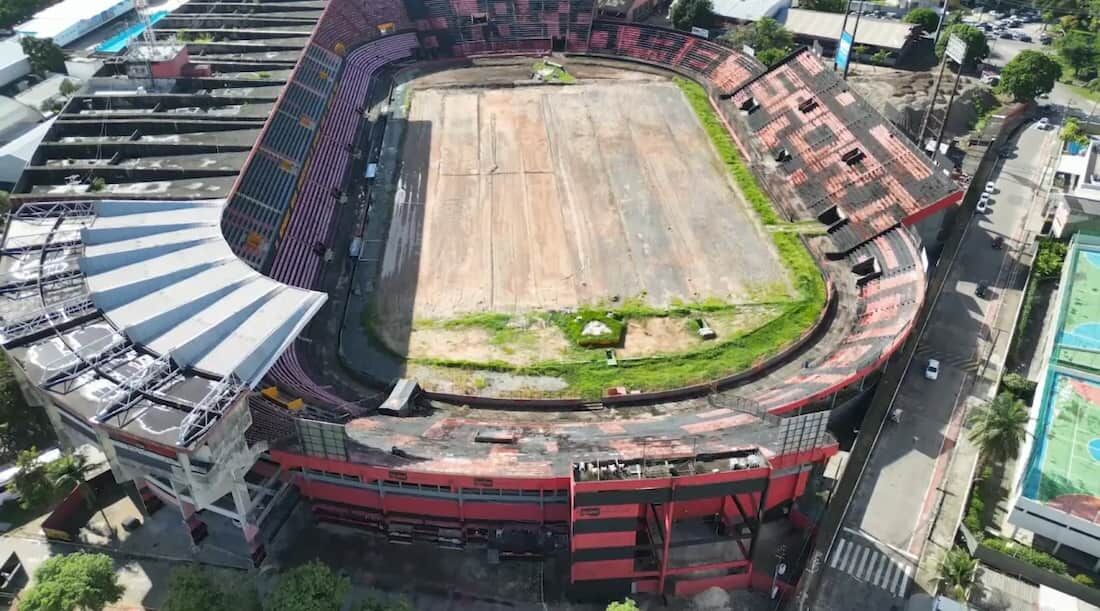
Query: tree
x=21, y=425
x=71, y=471
x=194, y=588
x=957, y=573
x=626, y=605
x=999, y=427
x=310, y=587
x=977, y=49
x=32, y=482
x=1029, y=75
x=924, y=18
x=75, y=581
x=687, y=13
x=767, y=37
x=1048, y=261
x=1071, y=132
x=881, y=57
x=828, y=6
x=1079, y=50
x=43, y=55
x=67, y=88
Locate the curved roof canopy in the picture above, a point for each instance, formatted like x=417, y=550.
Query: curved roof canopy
x=163, y=275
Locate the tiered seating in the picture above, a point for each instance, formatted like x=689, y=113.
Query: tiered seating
x=890, y=294
x=268, y=180
x=295, y=263
x=348, y=23
x=846, y=162
x=722, y=67
x=464, y=28
x=289, y=136
x=301, y=102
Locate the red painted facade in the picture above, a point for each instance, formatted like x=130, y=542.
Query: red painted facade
x=623, y=534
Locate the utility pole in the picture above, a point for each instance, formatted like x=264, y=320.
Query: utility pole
x=855, y=29
x=843, y=28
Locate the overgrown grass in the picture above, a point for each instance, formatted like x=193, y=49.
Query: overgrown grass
x=573, y=325
x=727, y=151
x=553, y=74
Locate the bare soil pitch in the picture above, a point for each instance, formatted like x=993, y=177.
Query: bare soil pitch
x=550, y=197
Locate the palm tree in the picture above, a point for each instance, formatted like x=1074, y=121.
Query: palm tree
x=956, y=574
x=72, y=470
x=999, y=427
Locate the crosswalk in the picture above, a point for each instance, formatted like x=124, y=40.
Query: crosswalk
x=870, y=564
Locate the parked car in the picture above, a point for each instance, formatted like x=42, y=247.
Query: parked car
x=983, y=206
x=932, y=370
x=1022, y=37
x=990, y=187
x=982, y=291
x=1045, y=39
x=1006, y=35
x=1044, y=123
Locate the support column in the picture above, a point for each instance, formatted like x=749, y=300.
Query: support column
x=242, y=503
x=670, y=508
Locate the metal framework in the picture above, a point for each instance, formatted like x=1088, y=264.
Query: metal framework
x=46, y=318
x=20, y=285
x=23, y=244
x=213, y=405
x=38, y=210
x=85, y=364
x=132, y=390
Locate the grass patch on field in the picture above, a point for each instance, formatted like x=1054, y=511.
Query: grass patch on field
x=573, y=325
x=552, y=73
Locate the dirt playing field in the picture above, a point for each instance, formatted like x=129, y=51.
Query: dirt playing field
x=550, y=197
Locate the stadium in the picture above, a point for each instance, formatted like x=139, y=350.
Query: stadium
x=545, y=208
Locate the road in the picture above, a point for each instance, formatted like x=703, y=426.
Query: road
x=873, y=561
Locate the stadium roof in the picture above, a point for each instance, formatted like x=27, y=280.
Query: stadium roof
x=57, y=19
x=162, y=273
x=875, y=32
x=750, y=10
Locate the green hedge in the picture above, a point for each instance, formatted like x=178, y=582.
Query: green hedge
x=1031, y=556
x=1019, y=387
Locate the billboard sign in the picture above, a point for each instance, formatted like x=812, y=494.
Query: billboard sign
x=705, y=33
x=956, y=49
x=842, y=51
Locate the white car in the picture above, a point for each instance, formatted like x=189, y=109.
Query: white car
x=932, y=371
x=1044, y=123
x=989, y=188
x=983, y=206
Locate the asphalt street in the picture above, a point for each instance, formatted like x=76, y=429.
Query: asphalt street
x=873, y=561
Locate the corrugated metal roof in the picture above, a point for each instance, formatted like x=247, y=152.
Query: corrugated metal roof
x=875, y=32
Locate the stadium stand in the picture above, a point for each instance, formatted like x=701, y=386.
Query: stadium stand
x=462, y=28
x=849, y=166
x=721, y=68
x=148, y=323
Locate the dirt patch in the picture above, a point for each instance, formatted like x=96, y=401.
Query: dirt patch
x=524, y=343
x=650, y=336
x=536, y=198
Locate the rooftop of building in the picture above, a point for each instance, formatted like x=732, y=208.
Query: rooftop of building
x=1063, y=467
x=882, y=33
x=52, y=21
